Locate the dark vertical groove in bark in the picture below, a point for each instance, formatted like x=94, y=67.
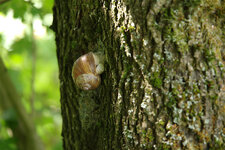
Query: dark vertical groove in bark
x=162, y=87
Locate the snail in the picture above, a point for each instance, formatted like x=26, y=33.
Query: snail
x=87, y=69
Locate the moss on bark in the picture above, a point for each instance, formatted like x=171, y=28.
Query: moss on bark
x=164, y=83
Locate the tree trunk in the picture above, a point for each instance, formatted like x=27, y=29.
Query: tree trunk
x=164, y=81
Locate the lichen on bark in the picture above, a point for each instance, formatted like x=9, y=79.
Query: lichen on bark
x=181, y=60
x=164, y=83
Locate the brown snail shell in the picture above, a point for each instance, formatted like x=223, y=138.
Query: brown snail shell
x=84, y=72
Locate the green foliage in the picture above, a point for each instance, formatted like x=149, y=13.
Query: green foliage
x=21, y=45
x=20, y=63
x=47, y=6
x=10, y=118
x=8, y=144
x=20, y=8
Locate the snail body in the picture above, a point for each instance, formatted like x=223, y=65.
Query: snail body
x=86, y=71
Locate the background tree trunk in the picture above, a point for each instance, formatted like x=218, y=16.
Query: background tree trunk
x=15, y=115
x=164, y=83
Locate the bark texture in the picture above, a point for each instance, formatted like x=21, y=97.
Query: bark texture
x=164, y=83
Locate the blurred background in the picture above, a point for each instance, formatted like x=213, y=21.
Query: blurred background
x=28, y=50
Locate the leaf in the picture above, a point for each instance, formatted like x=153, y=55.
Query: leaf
x=35, y=11
x=19, y=8
x=47, y=6
x=21, y=45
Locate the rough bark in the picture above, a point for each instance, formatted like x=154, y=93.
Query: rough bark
x=164, y=83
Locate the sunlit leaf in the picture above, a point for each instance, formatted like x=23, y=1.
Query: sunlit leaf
x=19, y=8
x=47, y=6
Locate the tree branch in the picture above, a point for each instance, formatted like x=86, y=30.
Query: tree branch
x=25, y=130
x=3, y=1
x=34, y=50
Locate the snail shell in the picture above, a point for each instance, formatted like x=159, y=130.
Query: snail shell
x=86, y=70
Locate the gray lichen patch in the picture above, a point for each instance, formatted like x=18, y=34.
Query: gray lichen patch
x=172, y=85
